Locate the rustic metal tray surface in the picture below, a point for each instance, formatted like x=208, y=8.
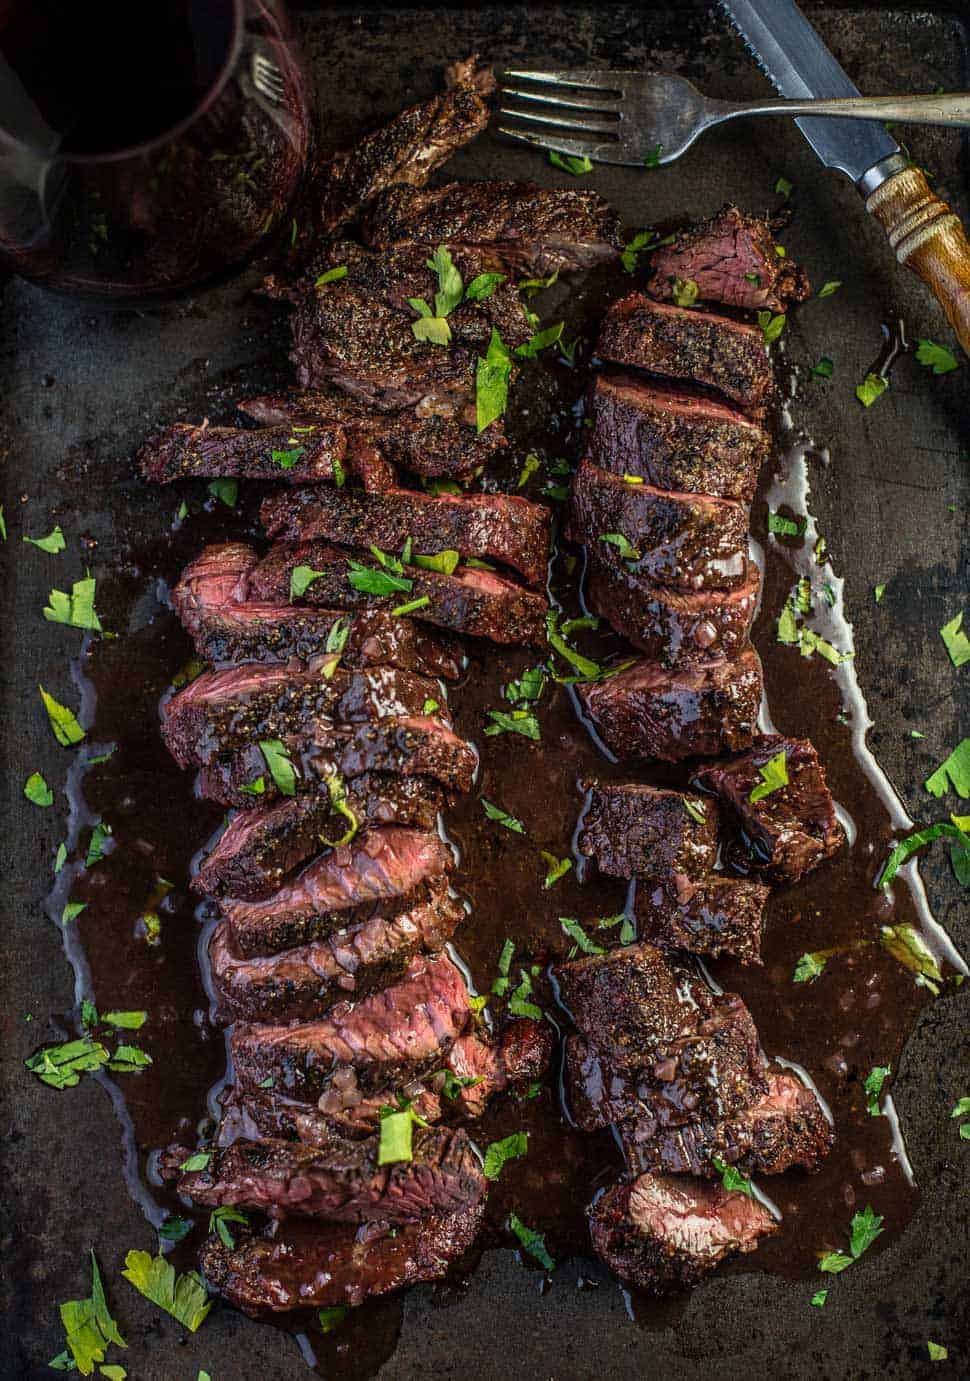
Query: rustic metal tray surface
x=82, y=386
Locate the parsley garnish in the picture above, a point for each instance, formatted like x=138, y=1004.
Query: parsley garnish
x=533, y=1242
x=287, y=459
x=908, y=948
x=824, y=369
x=827, y=289
x=962, y=1109
x=52, y=543
x=570, y=163
x=684, y=292
x=627, y=930
x=76, y=609
x=226, y=491
x=492, y=374
x=503, y=817
x=183, y=1297
x=732, y=1179
x=809, y=967
x=864, y=1229
x=905, y=849
x=411, y=607
x=936, y=357
x=953, y=772
x=95, y=853
x=786, y=527
x=771, y=326
x=556, y=868
x=783, y=187
x=338, y=799
x=652, y=159
x=773, y=774
x=174, y=1229
x=396, y=1135
x=368, y=580
x=61, y=1066
x=331, y=1317
x=333, y=275
x=198, y=1161
x=37, y=791
x=281, y=768
x=88, y=1330
x=218, y=1219
x=819, y=1298
x=872, y=387
x=937, y=1351
x=872, y=1084
x=695, y=811
x=483, y=285
x=956, y=641
x=641, y=240
x=443, y=561
x=519, y=1005
x=623, y=546
x=501, y=985
x=575, y=931
x=499, y=1152
x=513, y=722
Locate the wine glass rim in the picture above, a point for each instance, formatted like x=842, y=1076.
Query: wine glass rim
x=158, y=141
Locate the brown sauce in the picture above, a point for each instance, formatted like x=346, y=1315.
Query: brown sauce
x=855, y=1016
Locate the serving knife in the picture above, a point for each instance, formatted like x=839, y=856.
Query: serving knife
x=925, y=234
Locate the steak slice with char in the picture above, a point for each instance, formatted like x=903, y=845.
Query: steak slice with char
x=211, y=599
x=660, y=1233
x=260, y=847
x=516, y=225
x=627, y=1001
x=652, y=711
x=475, y=1070
x=500, y=527
x=477, y=603
x=411, y=746
x=674, y=438
x=684, y=541
x=391, y=1037
x=385, y=864
x=343, y=1184
x=301, y=984
x=312, y=454
x=635, y=831
x=409, y=148
x=725, y=915
x=793, y=828
x=223, y=710
x=672, y=627
x=682, y=343
x=714, y=1072
x=424, y=443
x=784, y=1128
x=309, y=1265
x=733, y=259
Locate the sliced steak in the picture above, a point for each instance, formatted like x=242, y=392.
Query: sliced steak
x=480, y=1067
x=733, y=259
x=211, y=599
x=500, y=527
x=516, y=224
x=408, y=148
x=261, y=847
x=784, y=1128
x=304, y=1265
x=223, y=710
x=344, y=1185
x=478, y=603
x=412, y=746
x=670, y=626
x=659, y=1233
x=635, y=831
x=389, y=1038
x=628, y=1001
x=681, y=343
x=652, y=711
x=303, y=983
x=339, y=889
x=724, y=916
x=297, y=454
x=426, y=444
x=684, y=541
x=793, y=828
x=714, y=1072
x=674, y=438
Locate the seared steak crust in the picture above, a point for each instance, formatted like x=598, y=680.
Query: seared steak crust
x=684, y=541
x=674, y=438
x=478, y=603
x=793, y=828
x=682, y=343
x=650, y=711
x=733, y=259
x=515, y=224
x=724, y=915
x=647, y=832
x=659, y=1233
x=500, y=527
x=189, y=451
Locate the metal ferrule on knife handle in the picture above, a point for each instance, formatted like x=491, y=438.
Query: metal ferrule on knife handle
x=929, y=239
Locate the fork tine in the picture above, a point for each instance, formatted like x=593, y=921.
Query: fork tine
x=582, y=148
x=580, y=81
x=561, y=122
x=541, y=98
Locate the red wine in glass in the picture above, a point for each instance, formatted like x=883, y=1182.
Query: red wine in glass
x=145, y=145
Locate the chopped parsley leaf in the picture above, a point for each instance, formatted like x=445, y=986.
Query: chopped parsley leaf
x=627, y=929
x=570, y=163
x=174, y=1229
x=443, y=561
x=332, y=1317
x=809, y=967
x=872, y=1084
x=786, y=527
x=771, y=326
x=695, y=811
x=368, y=580
x=519, y=1005
x=684, y=292
x=198, y=1161
x=953, y=773
x=76, y=609
x=287, y=459
x=877, y=593
x=531, y=1241
x=338, y=799
x=301, y=578
x=908, y=948
x=872, y=387
x=575, y=931
x=95, y=853
x=937, y=1352
x=528, y=687
x=905, y=849
x=956, y=641
x=89, y=1329
x=71, y=911
x=773, y=774
x=280, y=766
x=61, y=1066
x=226, y=491
x=503, y=817
x=513, y=722
x=529, y=467
x=783, y=187
x=556, y=868
x=551, y=335
x=824, y=369
x=483, y=285
x=827, y=289
x=184, y=1297
x=411, y=607
x=37, y=791
x=255, y=788
x=732, y=1179
x=333, y=275
x=936, y=357
x=396, y=1135
x=498, y=1153
x=220, y=1217
x=492, y=374
x=652, y=159
x=52, y=543
x=819, y=1298
x=623, y=546
x=641, y=241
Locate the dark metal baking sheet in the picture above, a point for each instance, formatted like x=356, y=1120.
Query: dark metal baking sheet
x=81, y=386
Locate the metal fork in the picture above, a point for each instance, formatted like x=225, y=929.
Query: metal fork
x=631, y=118
x=267, y=78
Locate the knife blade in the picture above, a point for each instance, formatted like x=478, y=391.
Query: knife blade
x=797, y=63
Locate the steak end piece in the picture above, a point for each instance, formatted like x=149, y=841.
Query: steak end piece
x=793, y=828
x=683, y=343
x=683, y=541
x=786, y=1127
x=672, y=627
x=519, y=225
x=308, y=1265
x=344, y=1184
x=634, y=831
x=733, y=259
x=725, y=916
x=674, y=438
x=705, y=710
x=659, y=1233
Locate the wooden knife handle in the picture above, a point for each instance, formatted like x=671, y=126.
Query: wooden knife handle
x=930, y=240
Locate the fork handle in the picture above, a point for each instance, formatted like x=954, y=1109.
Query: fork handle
x=946, y=109
x=929, y=239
